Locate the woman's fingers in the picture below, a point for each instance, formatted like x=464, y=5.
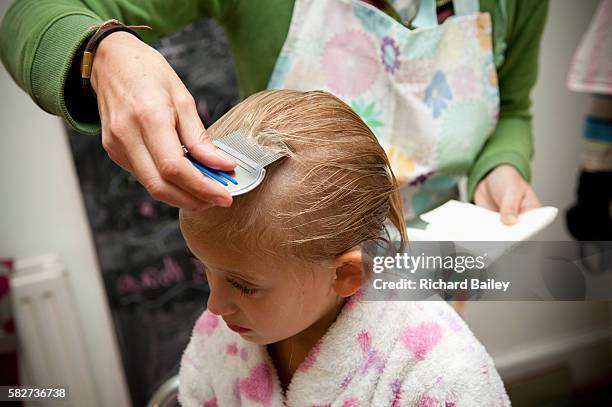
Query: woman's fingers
x=509, y=205
x=145, y=112
x=505, y=190
x=194, y=137
x=530, y=201
x=146, y=173
x=162, y=141
x=482, y=197
x=115, y=154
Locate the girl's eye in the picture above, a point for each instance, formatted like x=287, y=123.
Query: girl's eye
x=243, y=289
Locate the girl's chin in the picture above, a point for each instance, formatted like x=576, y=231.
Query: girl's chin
x=251, y=336
x=259, y=340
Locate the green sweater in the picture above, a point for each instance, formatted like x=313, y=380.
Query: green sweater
x=39, y=40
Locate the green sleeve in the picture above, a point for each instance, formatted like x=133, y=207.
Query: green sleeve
x=39, y=40
x=511, y=142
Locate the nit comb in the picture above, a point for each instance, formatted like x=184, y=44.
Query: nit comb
x=251, y=160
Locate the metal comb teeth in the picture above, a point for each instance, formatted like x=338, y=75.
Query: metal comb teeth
x=239, y=145
x=251, y=160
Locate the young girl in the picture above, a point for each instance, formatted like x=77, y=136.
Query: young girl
x=286, y=324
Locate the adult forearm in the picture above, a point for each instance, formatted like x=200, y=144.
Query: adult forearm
x=39, y=40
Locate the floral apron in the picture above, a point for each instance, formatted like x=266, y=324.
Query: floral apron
x=429, y=94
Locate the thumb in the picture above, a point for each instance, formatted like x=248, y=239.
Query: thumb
x=509, y=207
x=194, y=136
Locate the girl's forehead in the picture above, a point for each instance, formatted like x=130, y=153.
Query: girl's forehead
x=256, y=266
x=232, y=258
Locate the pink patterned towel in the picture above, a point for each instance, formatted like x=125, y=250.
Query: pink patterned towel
x=375, y=354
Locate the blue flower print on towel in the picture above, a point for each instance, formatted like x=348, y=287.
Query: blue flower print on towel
x=372, y=20
x=437, y=94
x=389, y=54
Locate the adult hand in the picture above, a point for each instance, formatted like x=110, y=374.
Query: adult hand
x=146, y=114
x=504, y=190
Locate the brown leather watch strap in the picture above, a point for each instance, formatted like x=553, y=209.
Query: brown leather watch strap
x=103, y=31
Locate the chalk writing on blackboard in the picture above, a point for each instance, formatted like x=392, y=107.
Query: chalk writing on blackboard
x=155, y=290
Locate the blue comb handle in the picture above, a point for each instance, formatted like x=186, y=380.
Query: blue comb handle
x=226, y=176
x=208, y=171
x=212, y=173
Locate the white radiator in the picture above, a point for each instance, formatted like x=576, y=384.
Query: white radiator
x=51, y=343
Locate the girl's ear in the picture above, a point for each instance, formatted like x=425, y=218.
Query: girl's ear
x=349, y=273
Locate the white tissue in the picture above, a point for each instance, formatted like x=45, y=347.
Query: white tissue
x=460, y=221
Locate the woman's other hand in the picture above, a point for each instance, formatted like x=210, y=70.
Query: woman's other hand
x=505, y=191
x=146, y=114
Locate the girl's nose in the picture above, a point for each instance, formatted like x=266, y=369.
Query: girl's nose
x=220, y=303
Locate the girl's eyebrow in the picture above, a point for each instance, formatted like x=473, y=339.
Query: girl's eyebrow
x=234, y=273
x=241, y=276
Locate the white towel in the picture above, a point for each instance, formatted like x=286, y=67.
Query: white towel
x=461, y=221
x=375, y=354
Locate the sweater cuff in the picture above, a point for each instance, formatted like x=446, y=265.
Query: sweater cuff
x=486, y=164
x=57, y=48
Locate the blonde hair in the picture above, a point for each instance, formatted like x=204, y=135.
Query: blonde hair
x=334, y=191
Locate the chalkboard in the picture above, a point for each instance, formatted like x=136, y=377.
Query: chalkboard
x=155, y=290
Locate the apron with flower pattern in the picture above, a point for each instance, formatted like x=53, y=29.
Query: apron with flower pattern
x=429, y=94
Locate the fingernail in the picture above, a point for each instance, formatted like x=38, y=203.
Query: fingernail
x=225, y=156
x=511, y=219
x=211, y=148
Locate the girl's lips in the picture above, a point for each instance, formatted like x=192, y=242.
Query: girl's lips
x=237, y=328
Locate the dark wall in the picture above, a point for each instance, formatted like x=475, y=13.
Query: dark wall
x=155, y=290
